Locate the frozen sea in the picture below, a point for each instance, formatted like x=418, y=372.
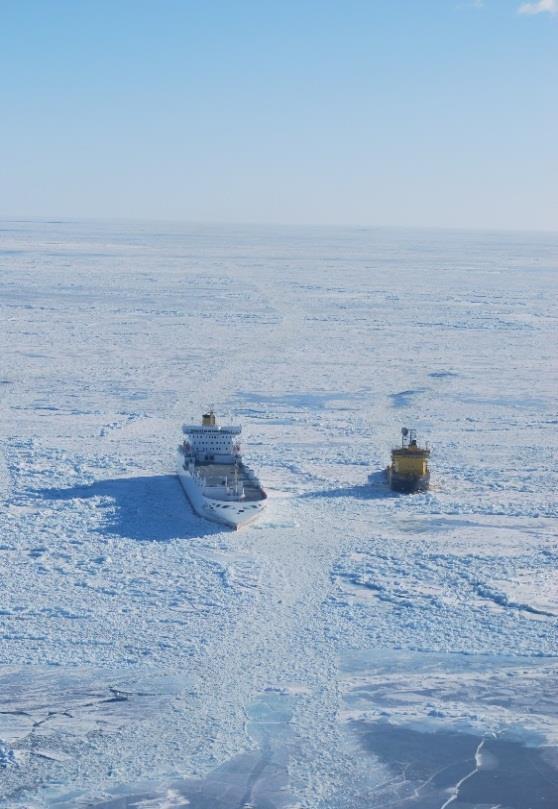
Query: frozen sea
x=354, y=649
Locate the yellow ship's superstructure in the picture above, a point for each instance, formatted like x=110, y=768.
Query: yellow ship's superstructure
x=409, y=470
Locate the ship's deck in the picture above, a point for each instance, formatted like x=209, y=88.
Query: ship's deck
x=214, y=474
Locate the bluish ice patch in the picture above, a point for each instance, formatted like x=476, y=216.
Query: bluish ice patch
x=454, y=730
x=437, y=524
x=256, y=779
x=248, y=781
x=303, y=401
x=269, y=717
x=263, y=415
x=522, y=402
x=434, y=770
x=443, y=374
x=405, y=397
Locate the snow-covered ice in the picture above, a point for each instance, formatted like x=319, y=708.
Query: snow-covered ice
x=354, y=648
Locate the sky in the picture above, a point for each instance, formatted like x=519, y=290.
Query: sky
x=421, y=113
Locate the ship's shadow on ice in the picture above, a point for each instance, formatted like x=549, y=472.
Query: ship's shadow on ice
x=376, y=488
x=147, y=508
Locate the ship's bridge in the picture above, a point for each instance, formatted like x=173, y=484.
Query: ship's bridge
x=210, y=442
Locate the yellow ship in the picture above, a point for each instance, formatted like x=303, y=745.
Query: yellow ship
x=409, y=471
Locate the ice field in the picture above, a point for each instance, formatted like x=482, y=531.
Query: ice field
x=353, y=649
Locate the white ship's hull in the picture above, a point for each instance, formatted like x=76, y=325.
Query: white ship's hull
x=233, y=513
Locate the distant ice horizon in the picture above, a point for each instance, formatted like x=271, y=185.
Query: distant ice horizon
x=230, y=223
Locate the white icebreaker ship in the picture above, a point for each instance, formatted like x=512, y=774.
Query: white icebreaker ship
x=218, y=484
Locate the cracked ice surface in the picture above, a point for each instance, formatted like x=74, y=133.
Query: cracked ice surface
x=353, y=648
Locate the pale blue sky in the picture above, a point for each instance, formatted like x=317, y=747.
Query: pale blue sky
x=371, y=112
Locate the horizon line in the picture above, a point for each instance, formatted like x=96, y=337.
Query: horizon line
x=53, y=219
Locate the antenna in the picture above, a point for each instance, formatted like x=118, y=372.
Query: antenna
x=404, y=434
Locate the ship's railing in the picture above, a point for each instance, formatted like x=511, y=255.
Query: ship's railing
x=228, y=429
x=222, y=492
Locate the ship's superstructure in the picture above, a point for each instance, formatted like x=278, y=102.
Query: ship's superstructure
x=219, y=485
x=409, y=470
